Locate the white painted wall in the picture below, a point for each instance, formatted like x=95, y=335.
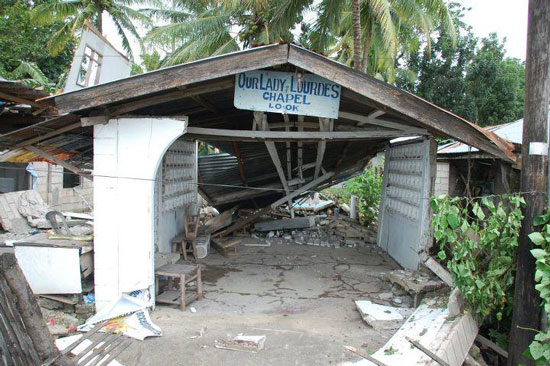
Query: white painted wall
x=114, y=66
x=442, y=178
x=127, y=154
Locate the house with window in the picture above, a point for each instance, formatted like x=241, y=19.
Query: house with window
x=96, y=61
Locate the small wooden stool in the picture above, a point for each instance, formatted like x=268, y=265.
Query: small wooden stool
x=186, y=273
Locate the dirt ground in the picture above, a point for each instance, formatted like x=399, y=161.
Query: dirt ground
x=299, y=297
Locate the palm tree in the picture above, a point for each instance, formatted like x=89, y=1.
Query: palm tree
x=201, y=28
x=76, y=13
x=356, y=19
x=388, y=28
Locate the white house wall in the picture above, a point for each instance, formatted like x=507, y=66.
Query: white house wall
x=114, y=65
x=127, y=153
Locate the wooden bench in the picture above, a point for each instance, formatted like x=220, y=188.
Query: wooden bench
x=186, y=274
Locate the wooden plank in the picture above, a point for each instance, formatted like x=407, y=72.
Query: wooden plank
x=261, y=121
x=366, y=87
x=243, y=222
x=371, y=119
x=214, y=134
x=173, y=77
x=428, y=353
x=15, y=99
x=237, y=152
x=60, y=162
x=48, y=135
x=487, y=343
x=366, y=356
x=324, y=125
x=168, y=97
x=288, y=149
x=300, y=147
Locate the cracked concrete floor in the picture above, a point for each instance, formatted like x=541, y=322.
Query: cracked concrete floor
x=300, y=297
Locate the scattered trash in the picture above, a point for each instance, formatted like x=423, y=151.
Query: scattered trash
x=242, y=343
x=192, y=309
x=127, y=315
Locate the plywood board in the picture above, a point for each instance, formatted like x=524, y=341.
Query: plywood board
x=50, y=270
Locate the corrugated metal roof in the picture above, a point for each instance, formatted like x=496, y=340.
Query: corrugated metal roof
x=511, y=132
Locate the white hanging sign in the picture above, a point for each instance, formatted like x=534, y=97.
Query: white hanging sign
x=285, y=92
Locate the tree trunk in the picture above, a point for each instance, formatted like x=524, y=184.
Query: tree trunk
x=28, y=307
x=366, y=49
x=356, y=19
x=527, y=312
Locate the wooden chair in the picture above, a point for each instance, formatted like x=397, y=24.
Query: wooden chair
x=186, y=243
x=186, y=274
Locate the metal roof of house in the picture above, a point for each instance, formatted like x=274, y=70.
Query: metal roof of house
x=512, y=132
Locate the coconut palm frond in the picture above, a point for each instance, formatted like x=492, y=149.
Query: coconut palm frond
x=55, y=11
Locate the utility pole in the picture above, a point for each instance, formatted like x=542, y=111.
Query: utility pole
x=527, y=312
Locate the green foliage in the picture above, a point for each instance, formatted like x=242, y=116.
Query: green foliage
x=474, y=81
x=368, y=187
x=540, y=347
x=479, y=240
x=22, y=42
x=74, y=14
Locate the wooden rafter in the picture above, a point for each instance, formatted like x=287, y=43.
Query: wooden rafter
x=288, y=149
x=324, y=125
x=48, y=135
x=15, y=99
x=214, y=134
x=237, y=152
x=372, y=119
x=261, y=122
x=59, y=162
x=168, y=97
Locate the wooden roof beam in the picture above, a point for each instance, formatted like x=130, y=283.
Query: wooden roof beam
x=372, y=119
x=214, y=134
x=60, y=162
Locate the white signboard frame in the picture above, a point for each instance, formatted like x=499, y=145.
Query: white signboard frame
x=286, y=92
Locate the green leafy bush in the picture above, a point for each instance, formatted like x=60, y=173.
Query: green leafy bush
x=368, y=188
x=540, y=347
x=479, y=240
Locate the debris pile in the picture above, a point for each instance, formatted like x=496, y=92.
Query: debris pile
x=321, y=230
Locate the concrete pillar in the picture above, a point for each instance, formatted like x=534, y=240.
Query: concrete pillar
x=127, y=153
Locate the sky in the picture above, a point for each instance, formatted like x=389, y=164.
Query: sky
x=508, y=18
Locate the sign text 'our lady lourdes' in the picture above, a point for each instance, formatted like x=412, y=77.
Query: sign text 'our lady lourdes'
x=285, y=92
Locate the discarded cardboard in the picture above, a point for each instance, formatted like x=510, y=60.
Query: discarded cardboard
x=242, y=343
x=127, y=315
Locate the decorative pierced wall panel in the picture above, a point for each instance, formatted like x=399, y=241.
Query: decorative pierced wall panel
x=405, y=180
x=179, y=175
x=403, y=229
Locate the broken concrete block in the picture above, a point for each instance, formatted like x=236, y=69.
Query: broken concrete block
x=49, y=304
x=296, y=223
x=414, y=282
x=84, y=308
x=379, y=316
x=242, y=343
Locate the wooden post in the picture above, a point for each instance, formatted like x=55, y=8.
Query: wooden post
x=28, y=307
x=527, y=312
